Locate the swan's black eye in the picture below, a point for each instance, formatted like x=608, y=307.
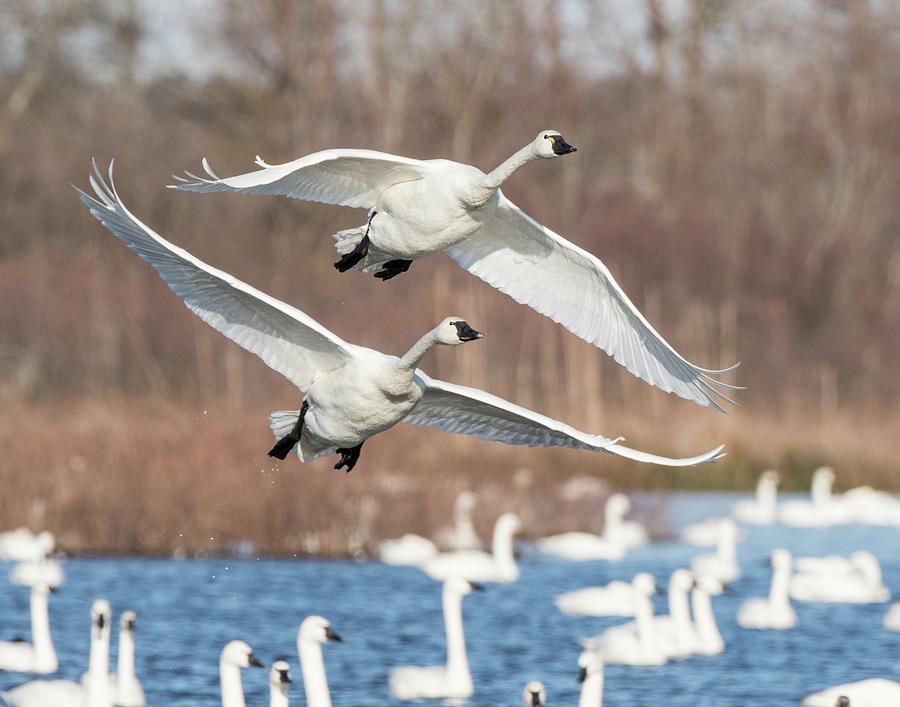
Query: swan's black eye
x=546, y=137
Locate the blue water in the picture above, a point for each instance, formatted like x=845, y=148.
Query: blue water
x=390, y=616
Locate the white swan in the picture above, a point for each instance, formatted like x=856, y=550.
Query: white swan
x=617, y=598
x=867, y=506
x=418, y=208
x=352, y=392
x=450, y=681
x=461, y=535
x=590, y=675
x=477, y=566
x=313, y=632
x=761, y=509
x=279, y=681
x=723, y=563
x=853, y=580
x=822, y=509
x=775, y=611
x=410, y=549
x=617, y=537
x=874, y=692
x=534, y=694
x=235, y=655
x=39, y=656
x=892, y=618
x=632, y=643
x=21, y=545
x=128, y=689
x=95, y=690
x=709, y=640
x=704, y=533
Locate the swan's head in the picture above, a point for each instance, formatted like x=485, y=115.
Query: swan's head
x=549, y=143
x=44, y=588
x=618, y=504
x=680, y=581
x=465, y=501
x=460, y=586
x=509, y=523
x=644, y=583
x=280, y=675
x=318, y=630
x=127, y=621
x=727, y=530
x=534, y=694
x=867, y=564
x=590, y=663
x=100, y=613
x=823, y=475
x=781, y=559
x=240, y=654
x=45, y=542
x=456, y=330
x=770, y=476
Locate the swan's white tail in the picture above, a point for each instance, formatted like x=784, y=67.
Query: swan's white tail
x=348, y=240
x=282, y=422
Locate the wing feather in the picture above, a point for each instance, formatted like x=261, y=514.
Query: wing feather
x=344, y=177
x=286, y=339
x=537, y=267
x=463, y=410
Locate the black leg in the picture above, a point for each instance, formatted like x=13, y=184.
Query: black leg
x=348, y=260
x=284, y=445
x=392, y=268
x=349, y=456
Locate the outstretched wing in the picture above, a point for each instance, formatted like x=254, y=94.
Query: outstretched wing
x=288, y=340
x=344, y=177
x=537, y=267
x=470, y=411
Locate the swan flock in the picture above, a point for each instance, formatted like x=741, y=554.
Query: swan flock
x=352, y=392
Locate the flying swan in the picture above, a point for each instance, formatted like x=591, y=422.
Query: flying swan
x=352, y=392
x=422, y=207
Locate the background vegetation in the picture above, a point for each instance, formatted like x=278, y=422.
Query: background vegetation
x=738, y=171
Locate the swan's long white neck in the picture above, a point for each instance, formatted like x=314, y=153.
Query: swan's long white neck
x=612, y=526
x=821, y=490
x=313, y=668
x=778, y=590
x=125, y=661
x=502, y=549
x=643, y=618
x=726, y=547
x=592, y=690
x=457, y=661
x=98, y=687
x=493, y=180
x=44, y=654
x=277, y=696
x=766, y=492
x=704, y=620
x=230, y=682
x=411, y=358
x=680, y=612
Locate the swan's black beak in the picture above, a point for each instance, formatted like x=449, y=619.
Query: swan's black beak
x=535, y=699
x=476, y=587
x=467, y=333
x=331, y=635
x=254, y=661
x=283, y=676
x=560, y=146
x=582, y=675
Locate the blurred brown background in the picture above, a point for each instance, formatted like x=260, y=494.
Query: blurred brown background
x=738, y=171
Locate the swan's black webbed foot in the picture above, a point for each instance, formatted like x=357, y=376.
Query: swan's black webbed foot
x=348, y=260
x=392, y=268
x=284, y=445
x=349, y=457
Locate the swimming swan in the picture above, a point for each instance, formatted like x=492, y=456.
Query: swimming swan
x=590, y=675
x=410, y=549
x=450, y=681
x=759, y=510
x=534, y=694
x=723, y=563
x=617, y=598
x=21, y=545
x=235, y=655
x=94, y=691
x=477, y=566
x=874, y=692
x=128, y=689
x=422, y=207
x=313, y=632
x=892, y=618
x=853, y=580
x=37, y=657
x=617, y=536
x=775, y=611
x=461, y=535
x=352, y=392
x=709, y=640
x=279, y=681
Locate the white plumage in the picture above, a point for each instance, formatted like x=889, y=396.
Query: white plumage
x=421, y=207
x=499, y=565
x=313, y=632
x=874, y=692
x=352, y=392
x=774, y=611
x=38, y=656
x=235, y=655
x=279, y=682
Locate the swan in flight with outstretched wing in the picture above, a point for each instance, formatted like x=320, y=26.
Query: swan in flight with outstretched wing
x=352, y=392
x=422, y=207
